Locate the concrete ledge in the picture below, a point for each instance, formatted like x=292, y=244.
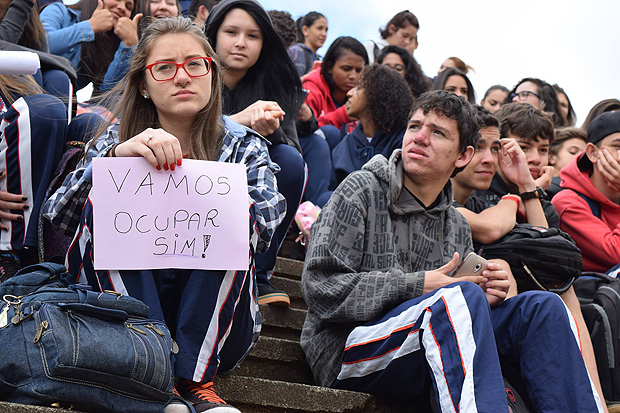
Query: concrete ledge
x=288, y=268
x=291, y=318
x=252, y=395
x=292, y=288
x=276, y=359
x=6, y=407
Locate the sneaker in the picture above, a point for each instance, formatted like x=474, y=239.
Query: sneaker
x=203, y=397
x=178, y=404
x=268, y=294
x=9, y=265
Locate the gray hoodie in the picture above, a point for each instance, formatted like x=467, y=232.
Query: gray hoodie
x=368, y=252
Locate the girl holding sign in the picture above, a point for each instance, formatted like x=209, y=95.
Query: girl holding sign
x=170, y=108
x=262, y=91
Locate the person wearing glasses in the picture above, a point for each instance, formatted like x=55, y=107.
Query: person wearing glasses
x=539, y=94
x=405, y=65
x=169, y=106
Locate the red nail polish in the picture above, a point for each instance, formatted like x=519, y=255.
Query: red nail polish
x=165, y=166
x=158, y=168
x=172, y=167
x=179, y=162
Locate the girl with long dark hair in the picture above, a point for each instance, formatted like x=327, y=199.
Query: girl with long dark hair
x=457, y=82
x=262, y=91
x=405, y=64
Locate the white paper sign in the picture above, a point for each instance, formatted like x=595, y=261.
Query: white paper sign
x=196, y=217
x=19, y=63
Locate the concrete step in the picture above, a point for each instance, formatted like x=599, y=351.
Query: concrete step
x=276, y=359
x=292, y=288
x=290, y=248
x=288, y=268
x=6, y=407
x=282, y=322
x=255, y=395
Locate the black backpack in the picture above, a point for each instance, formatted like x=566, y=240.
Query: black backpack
x=599, y=296
x=540, y=258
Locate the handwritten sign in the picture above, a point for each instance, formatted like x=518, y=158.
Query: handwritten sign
x=195, y=217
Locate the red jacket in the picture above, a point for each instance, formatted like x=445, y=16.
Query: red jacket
x=598, y=239
x=320, y=100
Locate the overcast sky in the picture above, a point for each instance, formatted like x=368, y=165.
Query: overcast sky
x=575, y=44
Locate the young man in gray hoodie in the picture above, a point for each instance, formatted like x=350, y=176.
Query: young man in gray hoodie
x=385, y=315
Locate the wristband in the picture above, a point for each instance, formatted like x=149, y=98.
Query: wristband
x=112, y=152
x=536, y=193
x=513, y=198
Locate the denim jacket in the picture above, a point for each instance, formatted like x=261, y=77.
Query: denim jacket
x=118, y=67
x=65, y=31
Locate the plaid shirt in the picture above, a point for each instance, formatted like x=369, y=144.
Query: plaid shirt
x=240, y=145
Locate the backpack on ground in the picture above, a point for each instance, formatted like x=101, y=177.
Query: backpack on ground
x=65, y=344
x=540, y=258
x=599, y=296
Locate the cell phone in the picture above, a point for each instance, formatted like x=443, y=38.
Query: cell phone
x=473, y=264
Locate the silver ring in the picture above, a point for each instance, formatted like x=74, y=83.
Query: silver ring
x=148, y=139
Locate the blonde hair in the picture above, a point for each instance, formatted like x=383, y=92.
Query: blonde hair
x=12, y=87
x=137, y=113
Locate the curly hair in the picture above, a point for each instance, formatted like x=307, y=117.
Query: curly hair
x=418, y=81
x=388, y=97
x=284, y=25
x=485, y=118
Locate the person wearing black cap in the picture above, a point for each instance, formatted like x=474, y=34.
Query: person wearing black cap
x=590, y=211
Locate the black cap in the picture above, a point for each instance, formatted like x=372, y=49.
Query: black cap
x=603, y=125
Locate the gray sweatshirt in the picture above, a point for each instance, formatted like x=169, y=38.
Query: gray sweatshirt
x=368, y=252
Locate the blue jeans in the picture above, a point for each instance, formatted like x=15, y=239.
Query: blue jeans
x=291, y=182
x=317, y=150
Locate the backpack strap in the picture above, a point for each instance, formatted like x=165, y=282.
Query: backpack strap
x=595, y=207
x=308, y=56
x=375, y=50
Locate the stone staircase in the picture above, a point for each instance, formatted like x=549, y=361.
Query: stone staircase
x=275, y=377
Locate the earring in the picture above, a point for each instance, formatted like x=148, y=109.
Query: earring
x=145, y=95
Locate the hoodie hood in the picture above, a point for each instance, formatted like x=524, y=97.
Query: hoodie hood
x=576, y=176
x=354, y=150
x=318, y=81
x=390, y=174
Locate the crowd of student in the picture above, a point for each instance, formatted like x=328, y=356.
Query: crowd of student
x=389, y=153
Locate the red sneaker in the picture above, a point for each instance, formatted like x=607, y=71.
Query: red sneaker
x=203, y=397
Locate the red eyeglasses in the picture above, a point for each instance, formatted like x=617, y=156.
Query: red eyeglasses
x=194, y=67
